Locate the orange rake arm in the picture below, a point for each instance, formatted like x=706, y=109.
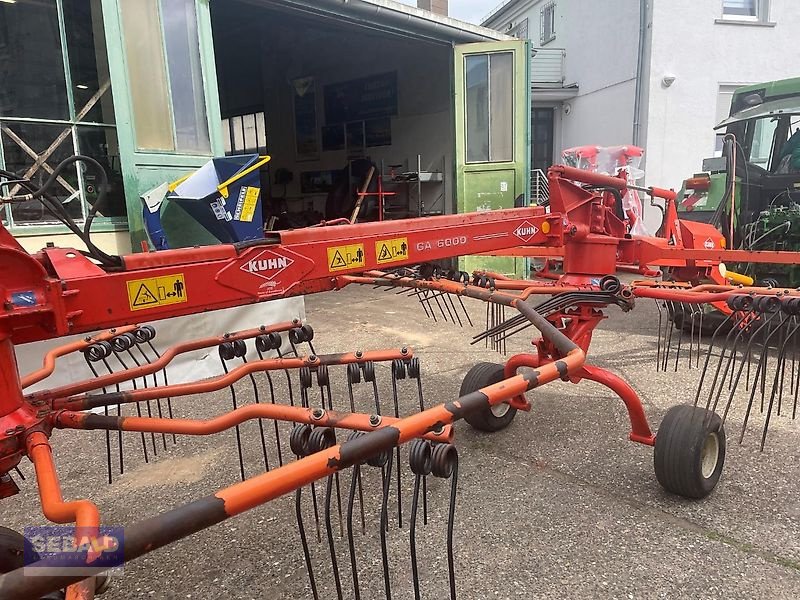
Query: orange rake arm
x=213, y=384
x=278, y=412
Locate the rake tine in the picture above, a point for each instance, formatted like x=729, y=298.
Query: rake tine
x=155, y=384
x=699, y=337
x=761, y=371
x=119, y=414
x=658, y=339
x=415, y=372
x=455, y=311
x=166, y=382
x=288, y=377
x=356, y=478
x=324, y=382
x=708, y=358
x=304, y=542
x=354, y=376
x=421, y=302
x=398, y=372
x=19, y=473
x=329, y=532
x=238, y=432
x=778, y=372
x=385, y=525
x=680, y=336
x=138, y=407
x=444, y=464
x=668, y=326
x=739, y=374
x=731, y=361
x=427, y=301
x=466, y=312
x=260, y=421
x=691, y=335
x=412, y=529
x=435, y=296
x=149, y=408
x=105, y=411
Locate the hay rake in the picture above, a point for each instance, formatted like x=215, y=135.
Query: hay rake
x=326, y=447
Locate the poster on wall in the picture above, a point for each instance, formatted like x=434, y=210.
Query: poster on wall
x=359, y=99
x=355, y=139
x=333, y=137
x=305, y=118
x=378, y=132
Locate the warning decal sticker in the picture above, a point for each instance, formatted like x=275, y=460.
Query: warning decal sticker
x=156, y=291
x=388, y=251
x=345, y=257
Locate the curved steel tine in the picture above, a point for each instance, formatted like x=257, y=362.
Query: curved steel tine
x=119, y=431
x=412, y=536
x=304, y=542
x=238, y=432
x=387, y=479
x=355, y=480
x=708, y=358
x=138, y=407
x=105, y=412
x=329, y=532
x=155, y=384
x=166, y=382
x=260, y=421
x=779, y=372
x=149, y=408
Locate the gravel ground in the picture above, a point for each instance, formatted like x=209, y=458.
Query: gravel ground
x=559, y=505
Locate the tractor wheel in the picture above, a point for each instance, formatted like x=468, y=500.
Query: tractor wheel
x=488, y=419
x=690, y=451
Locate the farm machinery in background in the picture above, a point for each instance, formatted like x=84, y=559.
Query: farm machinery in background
x=751, y=193
x=59, y=291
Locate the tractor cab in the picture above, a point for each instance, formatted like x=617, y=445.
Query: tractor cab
x=758, y=174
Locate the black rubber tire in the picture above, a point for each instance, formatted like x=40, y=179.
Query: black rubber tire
x=679, y=452
x=479, y=376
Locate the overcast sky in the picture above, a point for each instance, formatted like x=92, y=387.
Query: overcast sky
x=467, y=10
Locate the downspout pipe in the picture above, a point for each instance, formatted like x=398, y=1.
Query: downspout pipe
x=637, y=102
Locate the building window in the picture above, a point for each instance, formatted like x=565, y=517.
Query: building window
x=489, y=98
x=163, y=59
x=547, y=32
x=520, y=30
x=245, y=134
x=55, y=101
x=745, y=10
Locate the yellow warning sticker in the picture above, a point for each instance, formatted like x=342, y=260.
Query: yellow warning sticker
x=387, y=251
x=156, y=291
x=246, y=207
x=345, y=257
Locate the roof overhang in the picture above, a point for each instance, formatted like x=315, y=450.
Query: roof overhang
x=391, y=17
x=553, y=94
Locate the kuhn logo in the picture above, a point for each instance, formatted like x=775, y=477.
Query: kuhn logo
x=526, y=231
x=267, y=265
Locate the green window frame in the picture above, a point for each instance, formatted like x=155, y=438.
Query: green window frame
x=73, y=126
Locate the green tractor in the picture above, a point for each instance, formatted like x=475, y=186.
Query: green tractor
x=752, y=191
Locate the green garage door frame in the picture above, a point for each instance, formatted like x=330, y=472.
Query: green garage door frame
x=493, y=184
x=142, y=170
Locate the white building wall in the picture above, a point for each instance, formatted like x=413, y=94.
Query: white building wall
x=702, y=54
x=601, y=41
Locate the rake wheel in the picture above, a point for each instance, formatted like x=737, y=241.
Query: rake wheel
x=690, y=451
x=489, y=419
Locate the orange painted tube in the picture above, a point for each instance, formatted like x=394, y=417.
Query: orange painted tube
x=87, y=401
x=277, y=412
x=83, y=513
x=148, y=369
x=49, y=362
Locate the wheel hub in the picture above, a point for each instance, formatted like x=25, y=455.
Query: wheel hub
x=709, y=455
